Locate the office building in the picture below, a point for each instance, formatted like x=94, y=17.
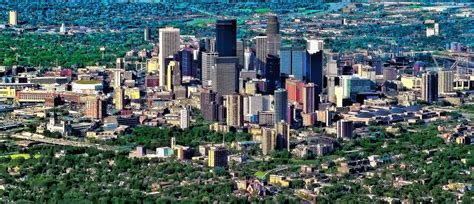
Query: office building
x=226, y=37
x=119, y=97
x=273, y=36
x=94, y=108
x=208, y=100
x=184, y=118
x=13, y=18
x=309, y=96
x=186, y=63
x=294, y=88
x=344, y=129
x=314, y=69
x=208, y=61
x=332, y=68
x=268, y=140
x=445, y=81
x=272, y=73
x=173, y=75
x=225, y=76
x=281, y=105
x=429, y=87
x=261, y=54
x=169, y=45
x=282, y=136
x=249, y=59
x=234, y=107
x=332, y=80
x=117, y=77
x=240, y=54
x=217, y=157
x=299, y=63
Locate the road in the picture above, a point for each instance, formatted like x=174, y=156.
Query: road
x=62, y=142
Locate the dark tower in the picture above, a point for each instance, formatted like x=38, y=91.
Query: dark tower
x=273, y=26
x=272, y=73
x=226, y=37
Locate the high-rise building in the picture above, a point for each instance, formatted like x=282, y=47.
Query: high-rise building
x=208, y=104
x=299, y=63
x=94, y=108
x=234, y=106
x=169, y=45
x=281, y=105
x=429, y=87
x=173, y=75
x=445, y=81
x=208, y=61
x=249, y=59
x=332, y=68
x=117, y=80
x=273, y=26
x=217, y=157
x=226, y=37
x=272, y=72
x=184, y=118
x=119, y=98
x=13, y=18
x=344, y=129
x=309, y=95
x=186, y=62
x=240, y=53
x=282, y=136
x=273, y=36
x=147, y=34
x=314, y=69
x=225, y=76
x=294, y=88
x=268, y=140
x=332, y=81
x=261, y=53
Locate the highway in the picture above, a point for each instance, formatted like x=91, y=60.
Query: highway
x=62, y=142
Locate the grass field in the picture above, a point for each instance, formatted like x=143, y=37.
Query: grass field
x=259, y=174
x=24, y=156
x=263, y=10
x=202, y=22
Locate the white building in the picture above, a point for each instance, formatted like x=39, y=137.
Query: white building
x=184, y=118
x=90, y=87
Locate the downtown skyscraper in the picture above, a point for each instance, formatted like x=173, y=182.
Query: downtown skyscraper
x=226, y=37
x=429, y=87
x=169, y=45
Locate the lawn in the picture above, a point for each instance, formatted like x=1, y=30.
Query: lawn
x=259, y=174
x=203, y=22
x=24, y=156
x=263, y=10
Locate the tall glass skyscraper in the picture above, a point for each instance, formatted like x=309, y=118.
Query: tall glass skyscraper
x=281, y=105
x=298, y=63
x=314, y=70
x=285, y=61
x=226, y=37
